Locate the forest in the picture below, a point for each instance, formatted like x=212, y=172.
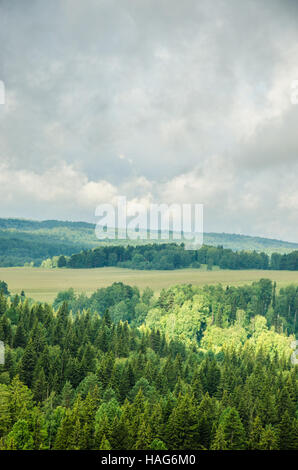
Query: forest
x=167, y=256
x=192, y=368
x=30, y=242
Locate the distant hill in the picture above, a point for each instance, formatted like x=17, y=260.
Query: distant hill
x=27, y=241
x=245, y=242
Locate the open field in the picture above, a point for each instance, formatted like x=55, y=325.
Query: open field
x=43, y=284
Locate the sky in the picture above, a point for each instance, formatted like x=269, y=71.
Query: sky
x=159, y=101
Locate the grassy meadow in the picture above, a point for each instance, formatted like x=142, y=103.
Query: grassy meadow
x=43, y=284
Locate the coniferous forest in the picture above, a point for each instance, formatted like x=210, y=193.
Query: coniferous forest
x=192, y=368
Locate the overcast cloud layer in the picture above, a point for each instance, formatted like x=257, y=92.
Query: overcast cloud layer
x=161, y=101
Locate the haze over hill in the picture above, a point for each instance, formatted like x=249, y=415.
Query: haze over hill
x=26, y=241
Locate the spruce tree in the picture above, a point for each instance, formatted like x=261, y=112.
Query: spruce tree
x=234, y=434
x=269, y=439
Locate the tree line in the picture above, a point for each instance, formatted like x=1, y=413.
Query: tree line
x=167, y=256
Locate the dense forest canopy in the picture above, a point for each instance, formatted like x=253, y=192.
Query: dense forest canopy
x=174, y=256
x=31, y=242
x=194, y=368
x=126, y=303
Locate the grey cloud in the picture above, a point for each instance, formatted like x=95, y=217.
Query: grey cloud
x=167, y=85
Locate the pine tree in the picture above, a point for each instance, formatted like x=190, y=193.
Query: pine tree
x=287, y=432
x=38, y=428
x=219, y=442
x=67, y=395
x=40, y=386
x=5, y=417
x=21, y=400
x=255, y=434
x=20, y=437
x=157, y=444
x=28, y=364
x=204, y=432
x=20, y=338
x=105, y=445
x=234, y=434
x=144, y=437
x=269, y=439
x=182, y=429
x=64, y=437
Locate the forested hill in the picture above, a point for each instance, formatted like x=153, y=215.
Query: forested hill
x=238, y=242
x=23, y=242
x=124, y=375
x=28, y=241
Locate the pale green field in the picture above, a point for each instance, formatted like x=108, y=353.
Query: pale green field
x=43, y=284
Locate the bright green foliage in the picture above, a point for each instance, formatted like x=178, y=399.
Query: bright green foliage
x=269, y=439
x=231, y=430
x=195, y=368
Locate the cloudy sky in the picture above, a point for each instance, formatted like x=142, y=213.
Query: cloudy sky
x=161, y=101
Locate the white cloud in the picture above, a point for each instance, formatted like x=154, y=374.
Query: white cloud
x=175, y=102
